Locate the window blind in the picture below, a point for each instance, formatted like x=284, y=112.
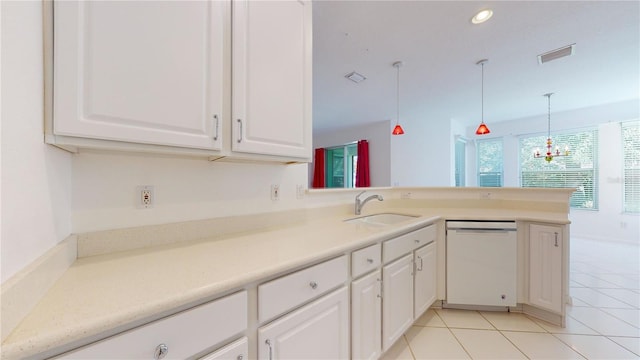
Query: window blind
x=578, y=170
x=631, y=166
x=490, y=162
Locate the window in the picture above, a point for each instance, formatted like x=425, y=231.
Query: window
x=578, y=170
x=631, y=166
x=490, y=162
x=341, y=163
x=460, y=161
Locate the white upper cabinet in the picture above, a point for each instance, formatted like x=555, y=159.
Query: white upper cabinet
x=271, y=78
x=216, y=78
x=148, y=72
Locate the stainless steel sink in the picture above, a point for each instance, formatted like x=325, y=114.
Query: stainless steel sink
x=381, y=219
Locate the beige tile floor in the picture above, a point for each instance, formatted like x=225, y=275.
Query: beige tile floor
x=602, y=323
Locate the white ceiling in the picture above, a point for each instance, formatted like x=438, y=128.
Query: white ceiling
x=439, y=46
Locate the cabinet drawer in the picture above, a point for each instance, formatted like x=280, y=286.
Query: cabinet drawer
x=403, y=244
x=365, y=260
x=185, y=334
x=287, y=292
x=237, y=350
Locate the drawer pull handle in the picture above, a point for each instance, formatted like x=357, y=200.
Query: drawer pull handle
x=370, y=260
x=239, y=130
x=556, y=244
x=215, y=118
x=421, y=264
x=161, y=351
x=268, y=342
x=313, y=285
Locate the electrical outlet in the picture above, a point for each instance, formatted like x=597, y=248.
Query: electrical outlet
x=145, y=196
x=300, y=191
x=275, y=192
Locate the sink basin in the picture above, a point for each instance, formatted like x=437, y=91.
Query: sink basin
x=381, y=219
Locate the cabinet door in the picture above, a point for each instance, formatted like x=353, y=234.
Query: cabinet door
x=425, y=279
x=139, y=71
x=319, y=330
x=397, y=304
x=545, y=267
x=238, y=350
x=366, y=317
x=271, y=78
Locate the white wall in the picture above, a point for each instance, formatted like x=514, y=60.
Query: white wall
x=606, y=223
x=423, y=156
x=379, y=137
x=36, y=178
x=104, y=185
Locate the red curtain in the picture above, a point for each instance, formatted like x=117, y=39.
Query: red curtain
x=318, y=169
x=363, y=178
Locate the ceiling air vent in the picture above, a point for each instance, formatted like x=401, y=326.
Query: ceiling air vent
x=556, y=54
x=355, y=77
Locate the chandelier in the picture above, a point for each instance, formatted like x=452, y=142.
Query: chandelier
x=550, y=154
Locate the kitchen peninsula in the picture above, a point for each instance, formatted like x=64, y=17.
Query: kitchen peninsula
x=125, y=281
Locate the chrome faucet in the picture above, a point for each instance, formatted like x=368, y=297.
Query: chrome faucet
x=360, y=204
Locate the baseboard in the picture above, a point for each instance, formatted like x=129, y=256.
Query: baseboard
x=550, y=317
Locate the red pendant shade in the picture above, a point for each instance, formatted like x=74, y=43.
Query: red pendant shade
x=397, y=130
x=482, y=129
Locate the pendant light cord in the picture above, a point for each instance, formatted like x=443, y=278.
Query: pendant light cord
x=482, y=95
x=398, y=96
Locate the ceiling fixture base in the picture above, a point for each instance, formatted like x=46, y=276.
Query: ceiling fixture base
x=355, y=77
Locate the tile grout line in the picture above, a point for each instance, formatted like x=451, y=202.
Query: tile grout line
x=624, y=347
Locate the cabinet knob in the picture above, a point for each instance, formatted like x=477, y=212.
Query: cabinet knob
x=370, y=260
x=240, y=357
x=417, y=241
x=161, y=351
x=313, y=285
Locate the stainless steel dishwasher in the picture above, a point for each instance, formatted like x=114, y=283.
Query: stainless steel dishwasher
x=481, y=263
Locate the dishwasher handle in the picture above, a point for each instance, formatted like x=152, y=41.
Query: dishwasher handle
x=480, y=231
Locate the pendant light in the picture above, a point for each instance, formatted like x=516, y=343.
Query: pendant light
x=397, y=130
x=482, y=129
x=555, y=153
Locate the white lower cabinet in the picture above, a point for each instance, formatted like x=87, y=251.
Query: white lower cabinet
x=366, y=317
x=397, y=304
x=545, y=267
x=179, y=336
x=424, y=279
x=319, y=330
x=237, y=350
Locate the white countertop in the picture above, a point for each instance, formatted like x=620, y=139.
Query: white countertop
x=105, y=294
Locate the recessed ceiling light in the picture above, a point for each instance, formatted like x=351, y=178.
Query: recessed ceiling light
x=482, y=16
